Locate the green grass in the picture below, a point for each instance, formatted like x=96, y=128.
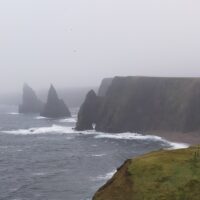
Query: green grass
x=161, y=175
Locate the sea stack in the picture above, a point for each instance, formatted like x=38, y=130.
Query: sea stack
x=87, y=115
x=30, y=102
x=55, y=107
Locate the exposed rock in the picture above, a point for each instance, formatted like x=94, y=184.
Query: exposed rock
x=30, y=102
x=87, y=115
x=105, y=84
x=143, y=104
x=166, y=175
x=55, y=107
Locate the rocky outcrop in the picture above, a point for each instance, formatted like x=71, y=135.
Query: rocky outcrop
x=158, y=175
x=147, y=104
x=105, y=84
x=30, y=102
x=87, y=115
x=55, y=107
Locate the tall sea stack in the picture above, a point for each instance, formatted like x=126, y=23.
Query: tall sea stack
x=87, y=115
x=55, y=107
x=30, y=102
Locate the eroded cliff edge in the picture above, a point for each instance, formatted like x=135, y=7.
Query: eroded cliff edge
x=166, y=175
x=143, y=104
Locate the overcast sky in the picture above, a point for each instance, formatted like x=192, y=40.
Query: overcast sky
x=78, y=42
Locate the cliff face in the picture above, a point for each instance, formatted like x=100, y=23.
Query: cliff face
x=55, y=107
x=105, y=84
x=30, y=102
x=140, y=104
x=165, y=175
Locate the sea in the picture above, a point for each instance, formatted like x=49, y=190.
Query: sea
x=46, y=159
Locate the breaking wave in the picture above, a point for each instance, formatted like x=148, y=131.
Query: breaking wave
x=69, y=120
x=13, y=113
x=136, y=136
x=41, y=130
x=105, y=177
x=56, y=129
x=40, y=117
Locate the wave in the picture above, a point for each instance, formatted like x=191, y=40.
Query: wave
x=41, y=130
x=40, y=117
x=55, y=129
x=174, y=145
x=69, y=120
x=105, y=177
x=129, y=136
x=98, y=155
x=13, y=113
x=136, y=136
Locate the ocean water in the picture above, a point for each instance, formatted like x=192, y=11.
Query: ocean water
x=44, y=159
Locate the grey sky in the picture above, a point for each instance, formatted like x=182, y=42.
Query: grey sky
x=78, y=42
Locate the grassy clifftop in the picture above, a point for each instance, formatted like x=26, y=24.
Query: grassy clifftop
x=161, y=175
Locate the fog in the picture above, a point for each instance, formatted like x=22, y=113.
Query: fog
x=75, y=43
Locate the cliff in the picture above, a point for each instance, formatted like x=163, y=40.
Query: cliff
x=143, y=104
x=105, y=84
x=55, y=107
x=166, y=175
x=30, y=102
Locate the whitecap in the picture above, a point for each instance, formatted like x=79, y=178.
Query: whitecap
x=98, y=155
x=174, y=145
x=13, y=113
x=128, y=136
x=41, y=117
x=41, y=130
x=39, y=174
x=69, y=120
x=105, y=177
x=136, y=136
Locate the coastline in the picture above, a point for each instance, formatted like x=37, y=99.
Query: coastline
x=192, y=138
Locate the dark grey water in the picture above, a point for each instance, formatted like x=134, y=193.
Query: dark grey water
x=43, y=159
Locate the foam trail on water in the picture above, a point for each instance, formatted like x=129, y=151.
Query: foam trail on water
x=128, y=136
x=98, y=135
x=174, y=145
x=40, y=117
x=136, y=136
x=41, y=130
x=105, y=177
x=13, y=113
x=69, y=120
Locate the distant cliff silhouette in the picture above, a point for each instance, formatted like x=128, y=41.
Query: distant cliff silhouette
x=105, y=84
x=30, y=102
x=143, y=104
x=55, y=107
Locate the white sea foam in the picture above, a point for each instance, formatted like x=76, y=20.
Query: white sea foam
x=13, y=113
x=40, y=117
x=98, y=135
x=69, y=120
x=104, y=177
x=174, y=145
x=98, y=155
x=128, y=136
x=136, y=136
x=41, y=130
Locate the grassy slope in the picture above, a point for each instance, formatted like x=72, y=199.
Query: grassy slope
x=161, y=175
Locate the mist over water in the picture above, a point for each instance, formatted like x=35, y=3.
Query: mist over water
x=46, y=159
